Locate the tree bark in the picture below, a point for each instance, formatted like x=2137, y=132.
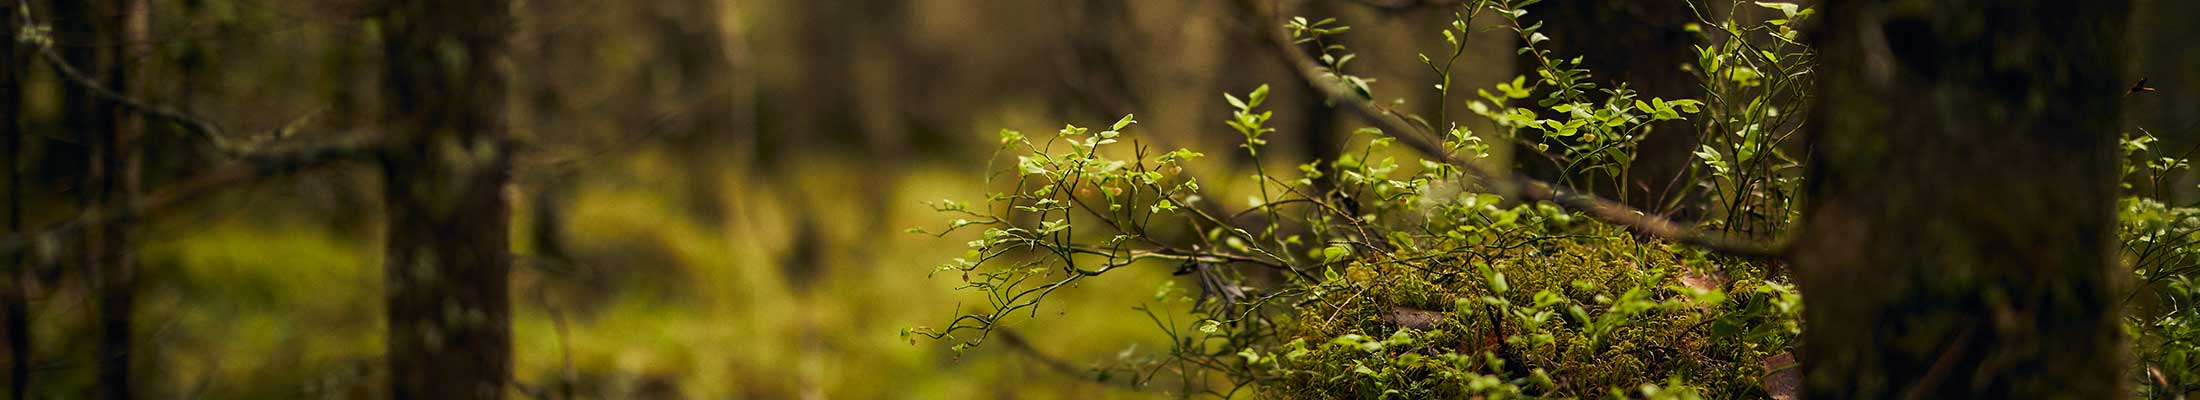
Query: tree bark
x=448, y=246
x=1959, y=241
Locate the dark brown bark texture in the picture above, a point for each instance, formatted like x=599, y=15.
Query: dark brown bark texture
x=1959, y=239
x=1644, y=44
x=449, y=252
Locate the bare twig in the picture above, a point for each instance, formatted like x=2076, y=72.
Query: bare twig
x=1056, y=364
x=261, y=165
x=248, y=164
x=1317, y=78
x=206, y=129
x=1404, y=5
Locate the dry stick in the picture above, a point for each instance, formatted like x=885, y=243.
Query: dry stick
x=1522, y=186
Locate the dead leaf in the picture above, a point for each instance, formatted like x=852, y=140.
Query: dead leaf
x=1704, y=281
x=1783, y=377
x=1415, y=318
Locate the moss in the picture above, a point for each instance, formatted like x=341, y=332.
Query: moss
x=1482, y=347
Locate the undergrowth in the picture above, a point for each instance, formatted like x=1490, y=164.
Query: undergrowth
x=1368, y=276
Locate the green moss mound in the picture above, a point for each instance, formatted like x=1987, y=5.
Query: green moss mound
x=1597, y=317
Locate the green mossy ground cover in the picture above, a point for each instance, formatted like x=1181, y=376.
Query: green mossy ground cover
x=1585, y=316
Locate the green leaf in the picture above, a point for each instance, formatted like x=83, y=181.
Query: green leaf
x=1336, y=252
x=1125, y=122
x=1689, y=106
x=1250, y=356
x=1030, y=166
x=1788, y=9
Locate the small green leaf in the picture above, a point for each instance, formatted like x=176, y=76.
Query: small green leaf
x=1250, y=356
x=1030, y=166
x=1788, y=9
x=1336, y=252
x=1125, y=122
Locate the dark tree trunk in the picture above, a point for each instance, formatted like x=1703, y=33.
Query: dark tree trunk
x=85, y=121
x=1643, y=44
x=2163, y=32
x=102, y=32
x=697, y=45
x=124, y=159
x=449, y=252
x=16, y=293
x=1959, y=241
x=1319, y=142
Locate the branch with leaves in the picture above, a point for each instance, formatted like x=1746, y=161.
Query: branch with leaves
x=1398, y=276
x=1320, y=79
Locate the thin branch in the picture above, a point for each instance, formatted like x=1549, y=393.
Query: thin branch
x=260, y=166
x=249, y=164
x=1057, y=364
x=1522, y=186
x=204, y=128
x=198, y=126
x=1404, y=5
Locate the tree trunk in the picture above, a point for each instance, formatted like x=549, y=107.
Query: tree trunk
x=118, y=275
x=2163, y=31
x=16, y=294
x=103, y=33
x=449, y=252
x=1319, y=140
x=1641, y=43
x=1959, y=240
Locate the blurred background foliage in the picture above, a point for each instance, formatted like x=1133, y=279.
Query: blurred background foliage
x=712, y=193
